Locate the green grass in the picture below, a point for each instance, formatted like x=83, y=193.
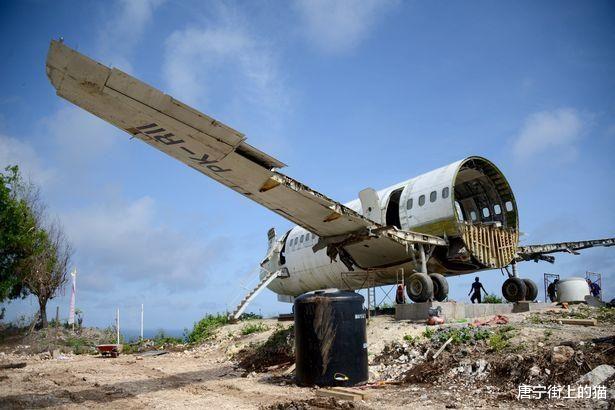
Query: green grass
x=250, y=328
x=492, y=299
x=205, y=328
x=428, y=332
x=411, y=339
x=497, y=342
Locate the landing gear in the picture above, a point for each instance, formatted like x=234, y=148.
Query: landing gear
x=514, y=289
x=531, y=290
x=420, y=287
x=440, y=286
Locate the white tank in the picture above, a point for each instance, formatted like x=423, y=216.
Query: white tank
x=572, y=289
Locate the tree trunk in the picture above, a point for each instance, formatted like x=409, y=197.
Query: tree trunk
x=42, y=303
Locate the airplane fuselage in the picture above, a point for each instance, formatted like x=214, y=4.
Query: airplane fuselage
x=468, y=202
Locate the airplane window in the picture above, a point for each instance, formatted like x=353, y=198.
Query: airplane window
x=421, y=200
x=486, y=212
x=497, y=209
x=473, y=215
x=409, y=204
x=445, y=192
x=296, y=240
x=301, y=240
x=459, y=211
x=509, y=206
x=433, y=196
x=307, y=237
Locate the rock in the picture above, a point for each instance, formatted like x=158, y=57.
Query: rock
x=561, y=354
x=534, y=371
x=597, y=376
x=540, y=344
x=56, y=353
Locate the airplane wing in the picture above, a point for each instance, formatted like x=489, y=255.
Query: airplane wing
x=206, y=145
x=541, y=252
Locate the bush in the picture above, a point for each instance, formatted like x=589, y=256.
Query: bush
x=162, y=339
x=204, y=329
x=250, y=316
x=250, y=328
x=492, y=299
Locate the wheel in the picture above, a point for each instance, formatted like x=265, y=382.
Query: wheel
x=440, y=286
x=419, y=287
x=531, y=290
x=514, y=289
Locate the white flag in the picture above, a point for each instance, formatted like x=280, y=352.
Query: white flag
x=71, y=315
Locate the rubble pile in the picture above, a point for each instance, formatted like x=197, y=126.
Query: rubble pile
x=278, y=350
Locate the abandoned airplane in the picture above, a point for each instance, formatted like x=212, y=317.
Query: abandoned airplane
x=458, y=219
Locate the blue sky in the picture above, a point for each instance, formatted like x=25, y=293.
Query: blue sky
x=350, y=94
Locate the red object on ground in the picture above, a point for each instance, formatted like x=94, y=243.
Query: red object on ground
x=496, y=320
x=109, y=350
x=435, y=320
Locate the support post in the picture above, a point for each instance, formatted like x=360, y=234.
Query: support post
x=141, y=321
x=514, y=269
x=423, y=258
x=57, y=316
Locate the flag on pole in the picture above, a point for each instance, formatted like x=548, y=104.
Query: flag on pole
x=71, y=314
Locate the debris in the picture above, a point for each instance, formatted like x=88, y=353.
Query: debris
x=151, y=353
x=534, y=371
x=496, y=320
x=290, y=369
x=561, y=354
x=450, y=339
x=580, y=322
x=341, y=395
x=435, y=320
x=597, y=376
x=13, y=366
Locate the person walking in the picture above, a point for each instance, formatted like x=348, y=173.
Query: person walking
x=475, y=291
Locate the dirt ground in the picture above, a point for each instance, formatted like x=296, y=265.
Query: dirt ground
x=206, y=376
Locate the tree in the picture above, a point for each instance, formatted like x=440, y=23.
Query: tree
x=45, y=271
x=17, y=231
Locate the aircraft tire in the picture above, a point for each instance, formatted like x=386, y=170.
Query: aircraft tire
x=440, y=286
x=514, y=289
x=531, y=290
x=419, y=287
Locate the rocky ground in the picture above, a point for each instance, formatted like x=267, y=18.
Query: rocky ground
x=481, y=366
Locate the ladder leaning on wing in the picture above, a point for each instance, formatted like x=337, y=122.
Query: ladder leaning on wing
x=266, y=280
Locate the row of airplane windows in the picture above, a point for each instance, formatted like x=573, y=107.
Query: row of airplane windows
x=302, y=241
x=433, y=196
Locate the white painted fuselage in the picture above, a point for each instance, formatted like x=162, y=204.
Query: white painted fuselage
x=471, y=191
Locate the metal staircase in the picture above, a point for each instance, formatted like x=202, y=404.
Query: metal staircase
x=266, y=280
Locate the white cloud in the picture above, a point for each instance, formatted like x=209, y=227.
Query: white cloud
x=337, y=26
x=16, y=152
x=223, y=58
x=125, y=240
x=548, y=130
x=123, y=31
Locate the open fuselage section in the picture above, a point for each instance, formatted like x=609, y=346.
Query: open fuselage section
x=468, y=202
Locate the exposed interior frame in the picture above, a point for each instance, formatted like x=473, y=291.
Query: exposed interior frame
x=482, y=195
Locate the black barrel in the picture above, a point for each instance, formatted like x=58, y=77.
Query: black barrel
x=330, y=339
